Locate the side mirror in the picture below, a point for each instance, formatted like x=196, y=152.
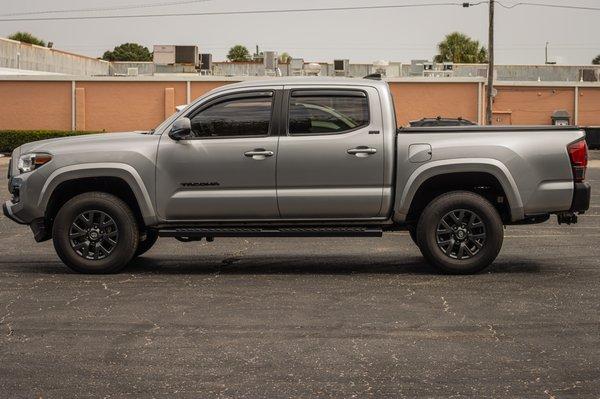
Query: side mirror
x=181, y=129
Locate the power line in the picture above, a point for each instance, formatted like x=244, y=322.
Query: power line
x=278, y=11
x=126, y=7
x=532, y=4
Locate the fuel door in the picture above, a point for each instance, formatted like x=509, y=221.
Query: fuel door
x=419, y=153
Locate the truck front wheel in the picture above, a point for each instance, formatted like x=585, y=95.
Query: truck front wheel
x=96, y=233
x=460, y=233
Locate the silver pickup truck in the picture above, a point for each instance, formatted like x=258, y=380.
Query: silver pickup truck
x=294, y=157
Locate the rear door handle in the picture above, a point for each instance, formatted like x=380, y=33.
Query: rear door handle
x=361, y=151
x=259, y=154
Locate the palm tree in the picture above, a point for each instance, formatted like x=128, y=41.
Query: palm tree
x=460, y=48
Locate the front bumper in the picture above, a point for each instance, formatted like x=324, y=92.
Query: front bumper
x=7, y=210
x=581, y=197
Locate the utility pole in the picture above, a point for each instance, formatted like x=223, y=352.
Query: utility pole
x=547, y=43
x=490, y=82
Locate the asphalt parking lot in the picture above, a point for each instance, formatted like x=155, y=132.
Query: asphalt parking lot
x=305, y=317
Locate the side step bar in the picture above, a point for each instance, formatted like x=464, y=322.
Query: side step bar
x=195, y=232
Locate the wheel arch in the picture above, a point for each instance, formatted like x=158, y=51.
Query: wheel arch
x=119, y=179
x=490, y=170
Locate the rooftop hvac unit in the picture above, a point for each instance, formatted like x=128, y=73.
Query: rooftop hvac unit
x=381, y=66
x=270, y=60
x=132, y=72
x=417, y=67
x=312, y=69
x=205, y=62
x=186, y=55
x=588, y=75
x=341, y=67
x=164, y=54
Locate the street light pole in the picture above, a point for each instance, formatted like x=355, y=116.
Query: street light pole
x=490, y=81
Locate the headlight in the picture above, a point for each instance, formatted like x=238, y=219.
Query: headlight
x=30, y=162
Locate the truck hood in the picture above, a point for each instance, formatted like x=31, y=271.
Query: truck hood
x=65, y=144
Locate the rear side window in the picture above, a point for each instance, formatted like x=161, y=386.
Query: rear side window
x=327, y=113
x=234, y=118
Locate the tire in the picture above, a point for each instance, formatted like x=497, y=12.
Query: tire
x=95, y=233
x=453, y=240
x=147, y=243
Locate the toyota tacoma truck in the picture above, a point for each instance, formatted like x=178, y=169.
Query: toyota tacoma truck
x=296, y=157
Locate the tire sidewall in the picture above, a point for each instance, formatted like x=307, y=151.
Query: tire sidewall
x=126, y=225
x=439, y=207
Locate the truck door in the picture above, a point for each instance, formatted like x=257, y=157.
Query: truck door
x=226, y=169
x=330, y=161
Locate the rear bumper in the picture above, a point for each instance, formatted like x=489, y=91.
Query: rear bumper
x=581, y=197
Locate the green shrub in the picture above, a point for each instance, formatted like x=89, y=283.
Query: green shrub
x=11, y=139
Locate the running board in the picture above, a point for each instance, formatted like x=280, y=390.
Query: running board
x=195, y=232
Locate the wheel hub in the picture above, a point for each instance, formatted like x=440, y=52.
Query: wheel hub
x=460, y=234
x=93, y=235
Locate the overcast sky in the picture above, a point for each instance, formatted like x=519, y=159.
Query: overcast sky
x=361, y=36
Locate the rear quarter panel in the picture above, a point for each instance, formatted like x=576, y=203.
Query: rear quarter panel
x=532, y=166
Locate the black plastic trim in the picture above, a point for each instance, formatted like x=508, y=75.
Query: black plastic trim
x=581, y=197
x=194, y=232
x=479, y=128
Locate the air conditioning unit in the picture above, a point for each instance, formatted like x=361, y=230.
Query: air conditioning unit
x=132, y=72
x=341, y=67
x=164, y=54
x=205, y=62
x=186, y=55
x=381, y=66
x=312, y=69
x=270, y=60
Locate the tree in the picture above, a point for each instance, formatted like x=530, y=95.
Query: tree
x=238, y=53
x=284, y=58
x=460, y=48
x=596, y=61
x=128, y=52
x=27, y=37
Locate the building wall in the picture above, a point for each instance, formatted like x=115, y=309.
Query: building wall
x=35, y=105
x=122, y=104
x=532, y=105
x=14, y=54
x=589, y=106
x=451, y=100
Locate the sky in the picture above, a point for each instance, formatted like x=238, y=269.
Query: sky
x=363, y=36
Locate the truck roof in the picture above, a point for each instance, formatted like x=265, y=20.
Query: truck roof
x=308, y=80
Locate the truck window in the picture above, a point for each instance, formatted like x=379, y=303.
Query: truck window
x=316, y=114
x=234, y=118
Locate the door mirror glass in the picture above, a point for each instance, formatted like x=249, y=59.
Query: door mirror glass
x=181, y=129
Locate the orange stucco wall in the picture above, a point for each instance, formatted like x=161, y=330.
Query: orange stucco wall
x=418, y=100
x=200, y=88
x=589, y=106
x=123, y=106
x=35, y=105
x=114, y=105
x=532, y=105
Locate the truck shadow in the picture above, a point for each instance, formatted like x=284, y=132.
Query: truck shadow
x=326, y=265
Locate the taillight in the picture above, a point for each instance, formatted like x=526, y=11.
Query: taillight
x=578, y=153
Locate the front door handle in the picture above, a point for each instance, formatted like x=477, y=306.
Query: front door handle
x=362, y=151
x=259, y=154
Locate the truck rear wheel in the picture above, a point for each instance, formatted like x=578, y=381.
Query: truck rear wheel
x=460, y=233
x=95, y=233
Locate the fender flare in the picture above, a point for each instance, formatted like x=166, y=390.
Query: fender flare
x=481, y=165
x=119, y=170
